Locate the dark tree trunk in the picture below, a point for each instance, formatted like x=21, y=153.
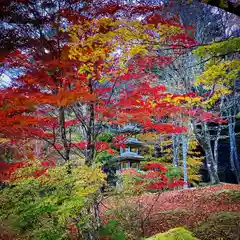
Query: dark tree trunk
x=211, y=162
x=90, y=131
x=90, y=136
x=63, y=134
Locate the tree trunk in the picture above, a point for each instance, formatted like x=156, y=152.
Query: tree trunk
x=175, y=141
x=210, y=161
x=184, y=152
x=233, y=150
x=63, y=133
x=90, y=131
x=212, y=164
x=215, y=150
x=90, y=140
x=216, y=141
x=233, y=131
x=97, y=214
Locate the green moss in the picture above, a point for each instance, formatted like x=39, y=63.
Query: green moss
x=178, y=233
x=231, y=195
x=173, y=211
x=223, y=225
x=204, y=184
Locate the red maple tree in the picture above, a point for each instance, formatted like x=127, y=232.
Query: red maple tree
x=50, y=89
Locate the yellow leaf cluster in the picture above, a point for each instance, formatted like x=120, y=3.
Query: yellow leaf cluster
x=219, y=75
x=148, y=137
x=101, y=39
x=219, y=78
x=223, y=73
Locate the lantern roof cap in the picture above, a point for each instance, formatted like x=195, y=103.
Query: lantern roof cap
x=130, y=156
x=130, y=129
x=134, y=142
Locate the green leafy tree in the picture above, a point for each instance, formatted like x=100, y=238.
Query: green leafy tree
x=54, y=204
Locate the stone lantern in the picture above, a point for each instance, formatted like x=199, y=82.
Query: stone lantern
x=129, y=156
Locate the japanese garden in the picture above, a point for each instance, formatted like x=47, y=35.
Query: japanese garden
x=119, y=119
